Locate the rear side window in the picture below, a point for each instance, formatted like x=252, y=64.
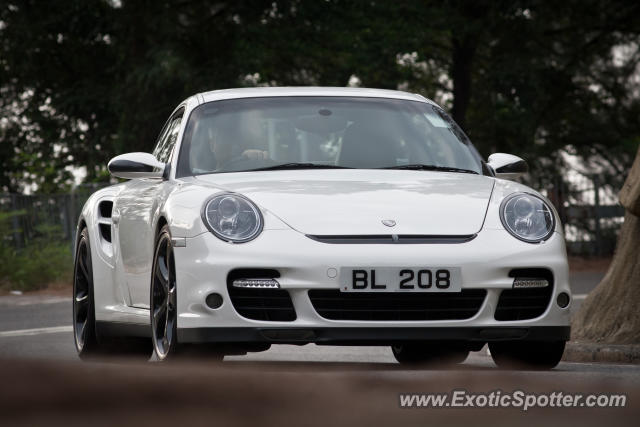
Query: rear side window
x=168, y=138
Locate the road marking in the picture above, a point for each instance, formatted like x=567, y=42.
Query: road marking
x=36, y=331
x=580, y=296
x=31, y=300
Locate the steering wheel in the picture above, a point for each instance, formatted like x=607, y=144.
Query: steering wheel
x=234, y=162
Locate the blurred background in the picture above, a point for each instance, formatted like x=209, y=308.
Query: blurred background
x=557, y=83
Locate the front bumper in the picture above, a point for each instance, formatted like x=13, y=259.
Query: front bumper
x=372, y=335
x=204, y=263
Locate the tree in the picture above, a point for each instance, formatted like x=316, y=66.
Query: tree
x=610, y=312
x=83, y=80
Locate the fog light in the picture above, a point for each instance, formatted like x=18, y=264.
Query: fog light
x=214, y=300
x=527, y=282
x=256, y=283
x=563, y=299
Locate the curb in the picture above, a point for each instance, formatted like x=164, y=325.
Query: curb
x=597, y=352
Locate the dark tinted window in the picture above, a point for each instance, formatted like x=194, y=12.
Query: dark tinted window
x=245, y=134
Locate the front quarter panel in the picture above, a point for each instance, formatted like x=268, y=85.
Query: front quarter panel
x=184, y=207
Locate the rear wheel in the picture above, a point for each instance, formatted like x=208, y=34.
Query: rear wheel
x=527, y=354
x=88, y=344
x=429, y=353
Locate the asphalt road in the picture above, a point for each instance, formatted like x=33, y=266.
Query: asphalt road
x=38, y=327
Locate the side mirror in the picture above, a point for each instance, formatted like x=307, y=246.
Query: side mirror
x=136, y=165
x=508, y=166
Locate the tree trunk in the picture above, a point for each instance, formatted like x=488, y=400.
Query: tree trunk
x=611, y=312
x=461, y=67
x=630, y=193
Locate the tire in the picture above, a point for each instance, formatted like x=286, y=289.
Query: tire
x=414, y=354
x=84, y=318
x=164, y=310
x=537, y=355
x=88, y=344
x=163, y=299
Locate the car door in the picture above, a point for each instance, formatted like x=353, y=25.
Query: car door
x=135, y=209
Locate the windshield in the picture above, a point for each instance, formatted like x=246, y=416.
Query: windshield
x=314, y=132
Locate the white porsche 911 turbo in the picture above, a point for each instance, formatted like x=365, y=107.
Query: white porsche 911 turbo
x=333, y=216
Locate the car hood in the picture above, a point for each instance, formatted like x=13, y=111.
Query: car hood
x=355, y=202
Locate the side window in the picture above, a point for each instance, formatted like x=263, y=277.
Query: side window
x=167, y=140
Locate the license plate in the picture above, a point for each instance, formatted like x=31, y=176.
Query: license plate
x=401, y=279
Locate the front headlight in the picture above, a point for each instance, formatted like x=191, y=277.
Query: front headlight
x=527, y=217
x=232, y=218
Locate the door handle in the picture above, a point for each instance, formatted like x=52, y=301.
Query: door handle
x=115, y=217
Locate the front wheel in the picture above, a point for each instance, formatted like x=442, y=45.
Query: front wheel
x=163, y=298
x=429, y=353
x=84, y=319
x=527, y=354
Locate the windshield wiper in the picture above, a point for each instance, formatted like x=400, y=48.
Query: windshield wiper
x=286, y=166
x=420, y=167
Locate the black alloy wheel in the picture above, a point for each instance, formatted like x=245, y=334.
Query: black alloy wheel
x=84, y=324
x=163, y=298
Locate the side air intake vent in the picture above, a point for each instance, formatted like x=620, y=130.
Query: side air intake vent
x=104, y=208
x=104, y=224
x=105, y=231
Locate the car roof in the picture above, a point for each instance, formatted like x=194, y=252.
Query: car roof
x=258, y=92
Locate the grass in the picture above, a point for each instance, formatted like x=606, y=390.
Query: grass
x=45, y=259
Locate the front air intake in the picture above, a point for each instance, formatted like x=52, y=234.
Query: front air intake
x=389, y=306
x=522, y=303
x=259, y=302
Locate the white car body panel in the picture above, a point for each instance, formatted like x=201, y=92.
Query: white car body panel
x=353, y=202
x=304, y=264
x=318, y=202
x=256, y=92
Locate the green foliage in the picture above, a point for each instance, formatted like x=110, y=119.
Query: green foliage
x=83, y=80
x=46, y=259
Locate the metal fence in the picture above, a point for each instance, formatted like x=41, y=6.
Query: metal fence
x=590, y=214
x=28, y=217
